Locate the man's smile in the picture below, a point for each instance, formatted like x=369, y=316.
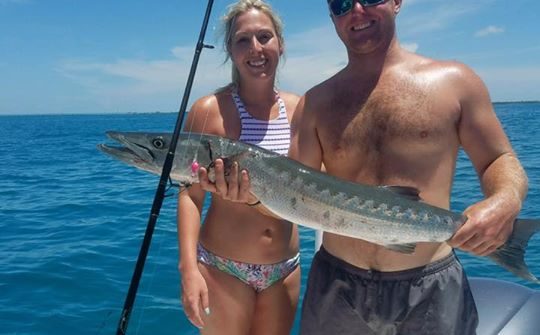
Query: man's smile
x=362, y=26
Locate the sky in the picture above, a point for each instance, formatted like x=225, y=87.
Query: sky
x=79, y=57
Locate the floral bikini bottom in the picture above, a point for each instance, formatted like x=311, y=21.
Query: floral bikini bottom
x=258, y=276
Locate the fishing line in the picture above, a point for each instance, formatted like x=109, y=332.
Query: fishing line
x=204, y=126
x=150, y=285
x=160, y=191
x=205, y=122
x=155, y=265
x=170, y=186
x=194, y=163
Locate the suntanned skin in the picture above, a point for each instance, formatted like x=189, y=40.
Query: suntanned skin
x=392, y=117
x=234, y=230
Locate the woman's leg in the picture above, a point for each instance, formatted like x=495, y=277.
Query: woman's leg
x=231, y=303
x=275, y=307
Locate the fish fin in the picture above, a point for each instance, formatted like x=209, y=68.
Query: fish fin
x=408, y=192
x=511, y=255
x=405, y=248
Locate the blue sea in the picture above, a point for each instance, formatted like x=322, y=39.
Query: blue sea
x=72, y=222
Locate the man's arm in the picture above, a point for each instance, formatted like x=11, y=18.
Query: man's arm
x=305, y=145
x=503, y=180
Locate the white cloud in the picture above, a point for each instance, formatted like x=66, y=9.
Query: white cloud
x=136, y=80
x=512, y=83
x=311, y=57
x=489, y=30
x=439, y=18
x=425, y=16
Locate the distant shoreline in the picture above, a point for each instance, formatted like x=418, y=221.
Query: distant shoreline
x=164, y=113
x=516, y=102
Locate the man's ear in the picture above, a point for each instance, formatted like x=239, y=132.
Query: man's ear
x=331, y=17
x=397, y=6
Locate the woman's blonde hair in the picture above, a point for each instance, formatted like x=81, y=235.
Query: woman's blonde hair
x=229, y=20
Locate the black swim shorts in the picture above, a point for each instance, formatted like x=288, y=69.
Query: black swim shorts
x=431, y=300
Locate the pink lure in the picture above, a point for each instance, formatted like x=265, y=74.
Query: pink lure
x=194, y=167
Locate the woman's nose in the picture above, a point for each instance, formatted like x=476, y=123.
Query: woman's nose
x=256, y=46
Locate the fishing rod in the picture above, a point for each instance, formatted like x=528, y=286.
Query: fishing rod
x=160, y=191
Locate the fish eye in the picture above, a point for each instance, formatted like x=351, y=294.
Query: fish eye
x=158, y=143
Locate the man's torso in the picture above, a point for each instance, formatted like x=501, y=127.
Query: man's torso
x=402, y=130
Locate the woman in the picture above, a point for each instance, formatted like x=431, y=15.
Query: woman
x=240, y=270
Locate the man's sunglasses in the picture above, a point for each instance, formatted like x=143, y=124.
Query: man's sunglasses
x=342, y=7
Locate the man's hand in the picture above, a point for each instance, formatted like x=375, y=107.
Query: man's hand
x=489, y=224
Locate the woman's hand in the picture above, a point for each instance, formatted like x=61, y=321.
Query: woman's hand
x=235, y=187
x=195, y=297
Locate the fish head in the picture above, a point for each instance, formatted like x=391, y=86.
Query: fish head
x=145, y=151
x=148, y=151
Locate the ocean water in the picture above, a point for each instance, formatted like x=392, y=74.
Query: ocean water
x=72, y=222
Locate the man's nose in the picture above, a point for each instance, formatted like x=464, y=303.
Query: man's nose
x=358, y=8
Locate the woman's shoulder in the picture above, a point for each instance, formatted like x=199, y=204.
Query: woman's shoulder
x=205, y=102
x=213, y=100
x=289, y=96
x=208, y=113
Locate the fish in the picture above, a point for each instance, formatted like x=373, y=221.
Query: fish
x=391, y=216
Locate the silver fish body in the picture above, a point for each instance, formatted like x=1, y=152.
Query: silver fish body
x=313, y=199
x=389, y=216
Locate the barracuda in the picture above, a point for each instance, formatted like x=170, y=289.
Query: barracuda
x=391, y=216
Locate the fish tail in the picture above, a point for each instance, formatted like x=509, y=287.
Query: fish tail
x=511, y=255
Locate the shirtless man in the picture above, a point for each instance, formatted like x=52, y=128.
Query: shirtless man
x=392, y=117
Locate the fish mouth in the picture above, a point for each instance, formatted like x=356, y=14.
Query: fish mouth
x=130, y=152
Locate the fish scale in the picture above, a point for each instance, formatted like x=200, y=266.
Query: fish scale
x=350, y=215
x=389, y=216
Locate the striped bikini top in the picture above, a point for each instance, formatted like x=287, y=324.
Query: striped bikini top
x=274, y=135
